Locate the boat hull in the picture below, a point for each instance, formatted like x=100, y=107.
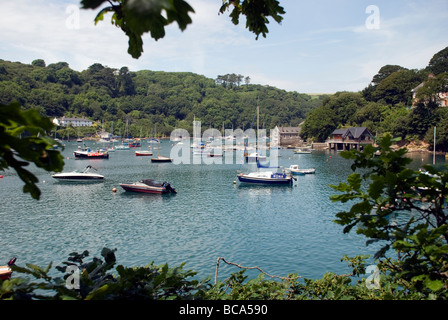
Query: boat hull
x=297, y=173
x=78, y=178
x=91, y=155
x=161, y=159
x=148, y=186
x=135, y=145
x=143, y=153
x=5, y=272
x=277, y=180
x=143, y=189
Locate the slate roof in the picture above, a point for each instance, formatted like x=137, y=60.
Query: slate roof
x=355, y=132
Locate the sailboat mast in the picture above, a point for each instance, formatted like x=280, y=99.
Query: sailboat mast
x=258, y=128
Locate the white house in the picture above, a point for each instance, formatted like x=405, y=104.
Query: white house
x=75, y=122
x=442, y=97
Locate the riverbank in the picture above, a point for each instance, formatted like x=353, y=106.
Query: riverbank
x=418, y=147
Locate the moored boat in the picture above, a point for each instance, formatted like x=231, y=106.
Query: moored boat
x=161, y=159
x=266, y=177
x=122, y=146
x=87, y=153
x=143, y=153
x=148, y=186
x=5, y=271
x=302, y=151
x=294, y=169
x=135, y=144
x=254, y=157
x=79, y=176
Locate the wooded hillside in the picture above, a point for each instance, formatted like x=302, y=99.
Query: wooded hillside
x=146, y=99
x=388, y=105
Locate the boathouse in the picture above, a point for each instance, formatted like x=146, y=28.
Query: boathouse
x=350, y=138
x=286, y=136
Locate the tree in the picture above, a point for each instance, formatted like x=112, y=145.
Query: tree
x=439, y=62
x=138, y=17
x=338, y=109
x=433, y=90
x=38, y=63
x=23, y=136
x=319, y=124
x=397, y=87
x=402, y=209
x=384, y=72
x=124, y=82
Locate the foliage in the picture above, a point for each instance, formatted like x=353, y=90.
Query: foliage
x=256, y=13
x=135, y=18
x=336, y=109
x=402, y=209
x=147, y=99
x=396, y=88
x=430, y=92
x=439, y=62
x=98, y=281
x=388, y=106
x=237, y=287
x=23, y=136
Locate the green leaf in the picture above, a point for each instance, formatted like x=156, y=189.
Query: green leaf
x=91, y=4
x=36, y=147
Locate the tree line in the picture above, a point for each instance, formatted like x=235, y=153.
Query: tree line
x=387, y=105
x=146, y=99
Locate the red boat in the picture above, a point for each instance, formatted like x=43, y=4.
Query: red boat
x=142, y=153
x=148, y=186
x=135, y=144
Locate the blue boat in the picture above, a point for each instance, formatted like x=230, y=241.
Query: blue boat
x=266, y=177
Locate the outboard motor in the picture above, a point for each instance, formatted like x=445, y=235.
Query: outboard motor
x=12, y=262
x=169, y=188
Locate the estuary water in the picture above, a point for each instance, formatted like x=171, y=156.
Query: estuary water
x=280, y=229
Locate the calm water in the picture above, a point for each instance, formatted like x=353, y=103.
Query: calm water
x=279, y=229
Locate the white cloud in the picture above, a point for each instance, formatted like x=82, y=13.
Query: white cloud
x=327, y=48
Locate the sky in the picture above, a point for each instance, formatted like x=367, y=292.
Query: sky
x=321, y=46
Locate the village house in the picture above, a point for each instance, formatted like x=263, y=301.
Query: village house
x=75, y=122
x=442, y=97
x=286, y=136
x=350, y=138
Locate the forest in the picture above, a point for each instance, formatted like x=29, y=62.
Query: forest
x=145, y=101
x=386, y=105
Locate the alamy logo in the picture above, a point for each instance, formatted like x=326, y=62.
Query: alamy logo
x=72, y=281
x=242, y=142
x=373, y=20
x=373, y=281
x=72, y=21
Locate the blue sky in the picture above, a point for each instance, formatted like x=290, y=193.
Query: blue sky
x=322, y=46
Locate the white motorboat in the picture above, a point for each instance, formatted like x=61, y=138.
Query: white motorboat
x=294, y=169
x=302, y=151
x=79, y=176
